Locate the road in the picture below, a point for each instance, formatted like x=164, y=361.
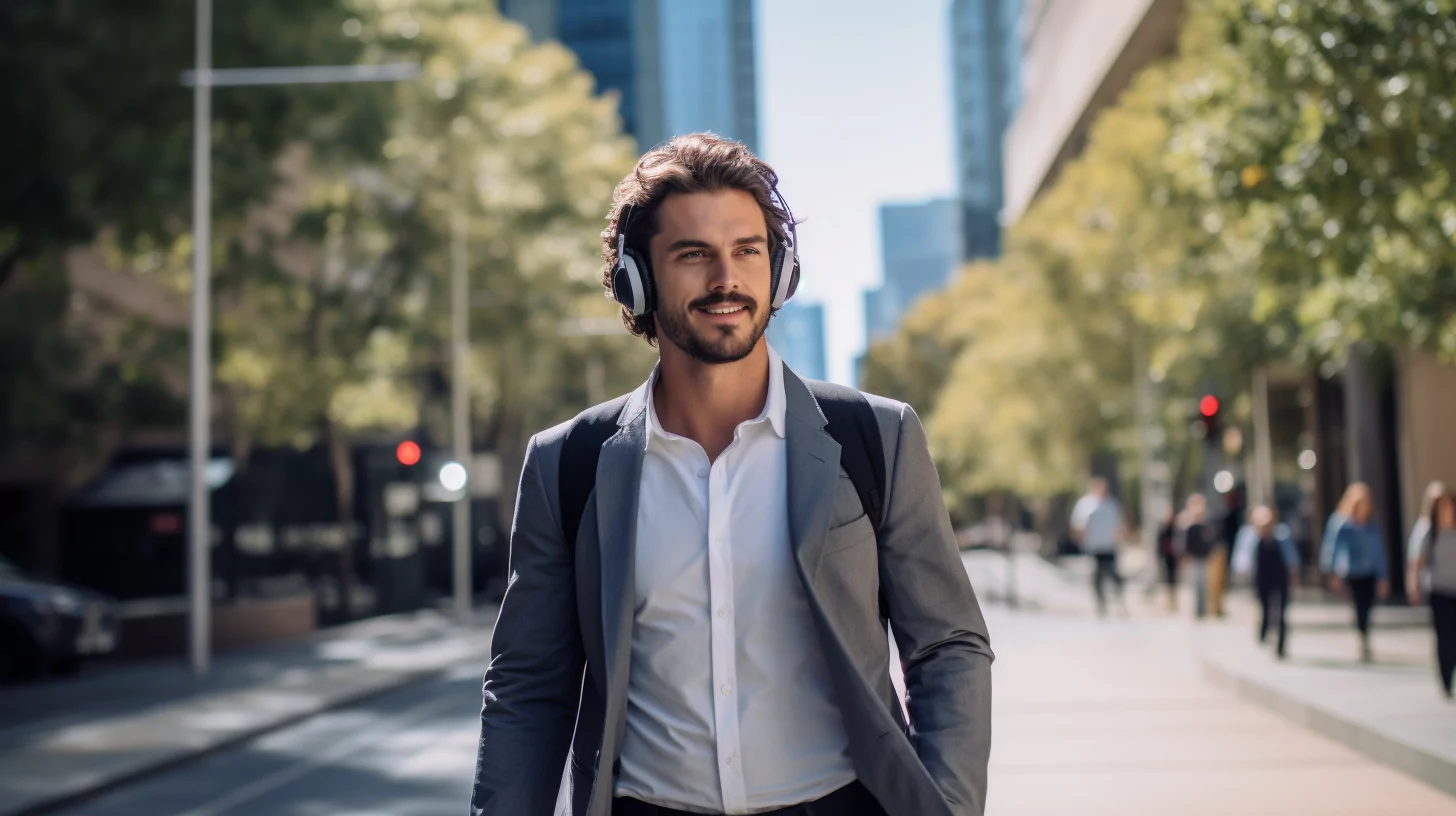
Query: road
x=1091, y=717
x=407, y=753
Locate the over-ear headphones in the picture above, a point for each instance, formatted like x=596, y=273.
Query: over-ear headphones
x=633, y=286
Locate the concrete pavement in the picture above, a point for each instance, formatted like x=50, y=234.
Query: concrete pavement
x=1390, y=711
x=64, y=741
x=1116, y=717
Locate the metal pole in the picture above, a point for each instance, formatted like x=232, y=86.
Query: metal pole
x=460, y=397
x=199, y=525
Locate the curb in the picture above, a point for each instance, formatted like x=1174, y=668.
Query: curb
x=186, y=756
x=1437, y=771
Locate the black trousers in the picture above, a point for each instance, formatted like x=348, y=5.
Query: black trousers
x=1362, y=590
x=1274, y=602
x=1106, y=568
x=1443, y=620
x=853, y=799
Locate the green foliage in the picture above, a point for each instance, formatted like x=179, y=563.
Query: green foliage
x=1333, y=134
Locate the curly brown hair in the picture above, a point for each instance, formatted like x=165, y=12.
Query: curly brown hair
x=695, y=163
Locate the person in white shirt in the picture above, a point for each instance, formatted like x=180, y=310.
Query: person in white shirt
x=710, y=634
x=1098, y=526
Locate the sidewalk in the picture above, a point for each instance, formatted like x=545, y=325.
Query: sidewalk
x=1391, y=711
x=67, y=739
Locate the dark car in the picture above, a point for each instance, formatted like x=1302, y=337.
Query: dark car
x=50, y=626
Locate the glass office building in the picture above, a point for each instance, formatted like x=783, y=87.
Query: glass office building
x=920, y=246
x=985, y=81
x=797, y=334
x=679, y=66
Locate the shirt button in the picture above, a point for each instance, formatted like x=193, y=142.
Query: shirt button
x=722, y=613
x=726, y=688
x=702, y=473
x=728, y=761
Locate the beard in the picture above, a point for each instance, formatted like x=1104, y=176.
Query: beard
x=714, y=345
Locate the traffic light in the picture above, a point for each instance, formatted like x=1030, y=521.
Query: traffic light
x=1210, y=427
x=408, y=453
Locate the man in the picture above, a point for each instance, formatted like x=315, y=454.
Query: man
x=711, y=641
x=1098, y=525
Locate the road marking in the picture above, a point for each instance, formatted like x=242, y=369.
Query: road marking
x=360, y=740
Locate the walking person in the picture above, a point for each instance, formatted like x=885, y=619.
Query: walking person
x=703, y=570
x=1438, y=555
x=1169, y=557
x=1196, y=541
x=1420, y=529
x=1275, y=563
x=1098, y=525
x=1353, y=556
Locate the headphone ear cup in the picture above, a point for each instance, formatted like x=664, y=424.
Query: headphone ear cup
x=643, y=273
x=783, y=282
x=627, y=285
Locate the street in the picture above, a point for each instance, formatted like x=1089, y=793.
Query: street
x=1104, y=717
x=405, y=753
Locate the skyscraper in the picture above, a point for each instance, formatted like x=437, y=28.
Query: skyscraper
x=797, y=334
x=680, y=66
x=920, y=247
x=985, y=78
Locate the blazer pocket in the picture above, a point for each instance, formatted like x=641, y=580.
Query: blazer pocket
x=848, y=535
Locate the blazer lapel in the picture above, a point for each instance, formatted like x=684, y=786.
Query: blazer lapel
x=813, y=473
x=619, y=472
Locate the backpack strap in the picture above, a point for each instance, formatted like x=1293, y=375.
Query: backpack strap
x=579, y=454
x=852, y=423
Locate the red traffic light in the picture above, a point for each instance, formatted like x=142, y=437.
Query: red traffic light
x=407, y=452
x=1208, y=406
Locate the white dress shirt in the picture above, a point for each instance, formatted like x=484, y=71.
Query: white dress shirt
x=729, y=703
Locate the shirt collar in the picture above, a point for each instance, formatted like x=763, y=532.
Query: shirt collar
x=774, y=408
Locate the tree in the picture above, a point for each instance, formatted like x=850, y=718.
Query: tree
x=1331, y=134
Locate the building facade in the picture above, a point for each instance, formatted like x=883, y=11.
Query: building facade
x=797, y=334
x=678, y=66
x=920, y=248
x=985, y=82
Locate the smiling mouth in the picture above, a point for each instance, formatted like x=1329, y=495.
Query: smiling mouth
x=725, y=309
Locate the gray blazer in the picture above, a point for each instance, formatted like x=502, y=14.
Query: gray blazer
x=555, y=695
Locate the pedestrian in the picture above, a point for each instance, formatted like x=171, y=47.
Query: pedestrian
x=1169, y=556
x=1416, y=542
x=1098, y=525
x=1220, y=552
x=1353, y=557
x=1196, y=541
x=1275, y=564
x=702, y=570
x=1438, y=555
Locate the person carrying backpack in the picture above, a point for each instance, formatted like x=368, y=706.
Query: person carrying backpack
x=704, y=572
x=1438, y=555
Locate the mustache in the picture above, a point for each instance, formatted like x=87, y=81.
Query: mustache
x=723, y=298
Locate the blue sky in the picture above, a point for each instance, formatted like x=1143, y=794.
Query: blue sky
x=854, y=111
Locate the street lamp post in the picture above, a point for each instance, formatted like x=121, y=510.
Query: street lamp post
x=203, y=79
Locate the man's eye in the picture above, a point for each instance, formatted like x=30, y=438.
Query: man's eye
x=691, y=254
x=750, y=250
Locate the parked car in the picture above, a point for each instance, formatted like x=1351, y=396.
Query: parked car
x=50, y=626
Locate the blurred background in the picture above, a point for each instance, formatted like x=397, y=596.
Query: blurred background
x=1188, y=246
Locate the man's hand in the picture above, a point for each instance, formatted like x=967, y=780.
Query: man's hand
x=1335, y=584
x=1382, y=589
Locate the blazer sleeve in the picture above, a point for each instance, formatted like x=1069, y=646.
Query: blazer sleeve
x=533, y=683
x=938, y=627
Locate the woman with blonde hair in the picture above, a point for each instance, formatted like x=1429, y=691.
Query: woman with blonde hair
x=1353, y=556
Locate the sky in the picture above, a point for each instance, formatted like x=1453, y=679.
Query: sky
x=854, y=111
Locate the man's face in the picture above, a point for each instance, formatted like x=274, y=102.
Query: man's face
x=710, y=260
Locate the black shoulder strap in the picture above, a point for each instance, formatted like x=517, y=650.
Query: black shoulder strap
x=579, y=455
x=851, y=421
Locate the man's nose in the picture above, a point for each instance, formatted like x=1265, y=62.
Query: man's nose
x=722, y=277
